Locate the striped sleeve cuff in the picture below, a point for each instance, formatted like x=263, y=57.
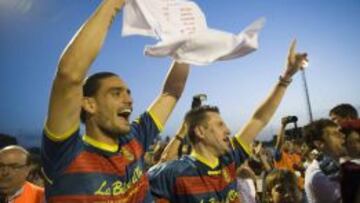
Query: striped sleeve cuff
x=58, y=138
x=245, y=146
x=156, y=121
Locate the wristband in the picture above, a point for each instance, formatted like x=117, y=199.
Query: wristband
x=284, y=82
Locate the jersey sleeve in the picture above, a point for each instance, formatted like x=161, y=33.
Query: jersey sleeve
x=145, y=129
x=57, y=154
x=161, y=182
x=240, y=151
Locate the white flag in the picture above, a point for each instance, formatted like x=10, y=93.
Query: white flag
x=182, y=29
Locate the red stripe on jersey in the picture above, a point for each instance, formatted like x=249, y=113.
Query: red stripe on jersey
x=87, y=162
x=162, y=200
x=204, y=184
x=136, y=147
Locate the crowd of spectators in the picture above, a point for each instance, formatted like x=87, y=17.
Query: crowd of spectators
x=321, y=164
x=121, y=161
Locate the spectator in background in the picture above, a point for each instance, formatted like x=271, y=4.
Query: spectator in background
x=246, y=180
x=36, y=175
x=350, y=169
x=342, y=113
x=260, y=162
x=287, y=154
x=14, y=169
x=322, y=175
x=346, y=116
x=280, y=186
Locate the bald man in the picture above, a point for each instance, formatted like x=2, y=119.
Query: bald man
x=14, y=168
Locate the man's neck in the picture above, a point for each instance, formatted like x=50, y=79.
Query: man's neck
x=98, y=135
x=100, y=140
x=206, y=155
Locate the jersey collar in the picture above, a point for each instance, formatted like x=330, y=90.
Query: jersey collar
x=100, y=145
x=202, y=159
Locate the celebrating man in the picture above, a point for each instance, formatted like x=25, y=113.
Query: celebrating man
x=209, y=173
x=106, y=164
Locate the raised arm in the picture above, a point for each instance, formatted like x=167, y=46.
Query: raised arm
x=280, y=136
x=173, y=87
x=66, y=93
x=264, y=160
x=267, y=109
x=172, y=148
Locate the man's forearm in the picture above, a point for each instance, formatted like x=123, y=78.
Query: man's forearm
x=176, y=79
x=171, y=150
x=269, y=106
x=280, y=138
x=171, y=92
x=262, y=115
x=87, y=42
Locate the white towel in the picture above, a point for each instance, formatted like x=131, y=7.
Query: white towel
x=181, y=27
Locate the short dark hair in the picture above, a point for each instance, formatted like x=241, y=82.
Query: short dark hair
x=195, y=117
x=315, y=130
x=345, y=111
x=91, y=86
x=280, y=176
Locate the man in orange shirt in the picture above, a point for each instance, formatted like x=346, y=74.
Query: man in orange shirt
x=286, y=157
x=14, y=168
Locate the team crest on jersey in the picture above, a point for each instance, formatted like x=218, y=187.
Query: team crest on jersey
x=226, y=175
x=127, y=154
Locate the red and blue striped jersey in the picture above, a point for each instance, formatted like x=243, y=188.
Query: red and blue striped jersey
x=189, y=179
x=80, y=169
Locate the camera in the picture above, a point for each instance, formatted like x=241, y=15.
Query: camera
x=289, y=119
x=294, y=133
x=197, y=100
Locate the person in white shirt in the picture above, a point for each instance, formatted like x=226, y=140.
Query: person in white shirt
x=321, y=176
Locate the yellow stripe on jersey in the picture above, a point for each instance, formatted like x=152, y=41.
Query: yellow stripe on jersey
x=58, y=138
x=156, y=121
x=100, y=145
x=211, y=164
x=243, y=145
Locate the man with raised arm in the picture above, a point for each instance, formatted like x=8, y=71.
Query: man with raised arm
x=209, y=173
x=106, y=164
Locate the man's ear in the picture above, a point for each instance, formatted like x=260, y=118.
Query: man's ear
x=89, y=105
x=200, y=132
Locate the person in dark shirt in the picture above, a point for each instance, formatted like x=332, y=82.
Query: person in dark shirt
x=106, y=164
x=208, y=174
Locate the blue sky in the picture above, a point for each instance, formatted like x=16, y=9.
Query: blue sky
x=33, y=34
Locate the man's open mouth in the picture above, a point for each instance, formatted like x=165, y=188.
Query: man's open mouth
x=125, y=113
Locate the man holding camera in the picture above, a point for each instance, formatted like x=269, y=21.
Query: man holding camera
x=208, y=174
x=287, y=155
